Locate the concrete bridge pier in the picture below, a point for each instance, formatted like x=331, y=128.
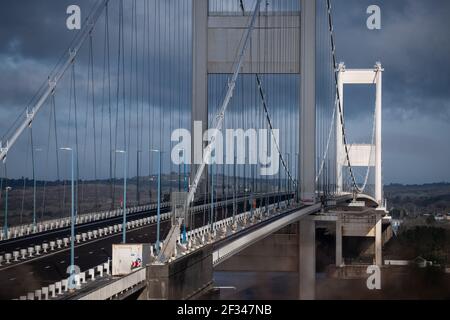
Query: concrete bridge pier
x=307, y=259
x=368, y=226
x=187, y=277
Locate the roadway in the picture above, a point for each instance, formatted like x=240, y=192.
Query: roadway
x=29, y=275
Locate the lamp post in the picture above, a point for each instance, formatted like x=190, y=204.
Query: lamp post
x=158, y=213
x=186, y=189
x=72, y=214
x=124, y=221
x=5, y=227
x=34, y=187
x=186, y=186
x=288, y=181
x=212, y=194
x=296, y=174
x=138, y=195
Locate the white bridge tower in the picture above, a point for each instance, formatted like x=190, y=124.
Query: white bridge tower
x=361, y=155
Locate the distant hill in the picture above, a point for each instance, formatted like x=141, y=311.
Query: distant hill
x=433, y=198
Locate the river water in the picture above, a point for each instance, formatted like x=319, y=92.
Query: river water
x=408, y=284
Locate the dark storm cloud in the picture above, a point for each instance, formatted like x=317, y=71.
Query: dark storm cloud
x=33, y=29
x=413, y=46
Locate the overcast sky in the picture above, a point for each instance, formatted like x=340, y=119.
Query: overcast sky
x=413, y=46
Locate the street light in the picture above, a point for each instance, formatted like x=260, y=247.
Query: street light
x=138, y=196
x=211, y=218
x=5, y=227
x=158, y=213
x=288, y=182
x=34, y=186
x=186, y=186
x=186, y=189
x=124, y=223
x=72, y=214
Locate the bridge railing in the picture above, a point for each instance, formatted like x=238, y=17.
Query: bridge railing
x=196, y=239
x=54, y=224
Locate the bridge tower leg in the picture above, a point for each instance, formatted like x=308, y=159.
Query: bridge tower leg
x=340, y=152
x=339, y=259
x=307, y=259
x=199, y=85
x=378, y=146
x=307, y=159
x=378, y=240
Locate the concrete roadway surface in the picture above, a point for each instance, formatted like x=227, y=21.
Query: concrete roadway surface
x=9, y=246
x=31, y=275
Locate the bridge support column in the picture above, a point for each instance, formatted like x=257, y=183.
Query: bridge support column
x=340, y=152
x=378, y=240
x=339, y=261
x=307, y=259
x=378, y=119
x=199, y=86
x=307, y=161
x=185, y=278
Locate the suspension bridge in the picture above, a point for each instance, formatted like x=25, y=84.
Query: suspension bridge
x=88, y=164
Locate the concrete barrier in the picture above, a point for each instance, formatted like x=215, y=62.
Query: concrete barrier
x=23, y=253
x=30, y=251
x=66, y=242
x=30, y=296
x=52, y=290
x=45, y=247
x=58, y=288
x=16, y=256
x=38, y=248
x=106, y=268
x=78, y=238
x=38, y=294
x=100, y=270
x=65, y=284
x=45, y=292
x=77, y=281
x=83, y=277
x=91, y=273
